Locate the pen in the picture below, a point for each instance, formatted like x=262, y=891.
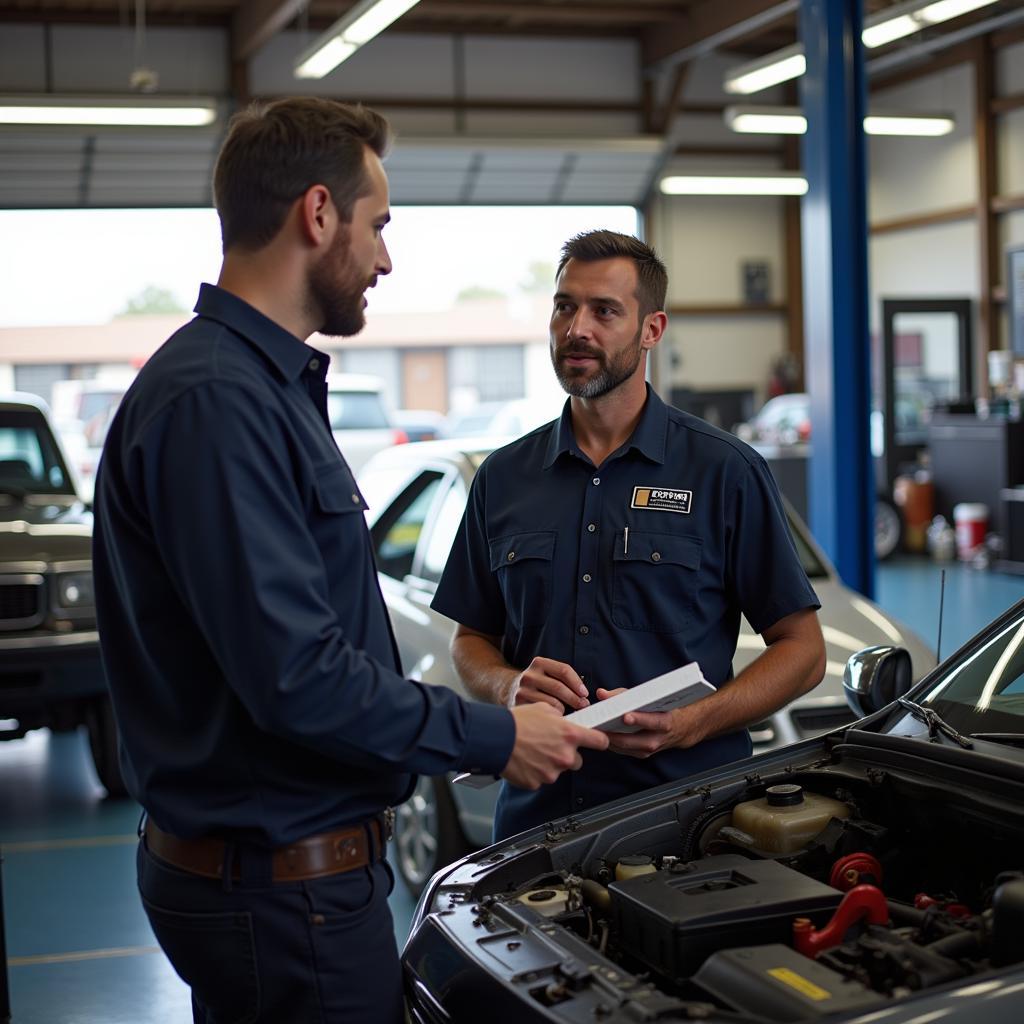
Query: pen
x=625, y=541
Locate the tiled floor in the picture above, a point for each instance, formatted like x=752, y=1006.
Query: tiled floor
x=79, y=948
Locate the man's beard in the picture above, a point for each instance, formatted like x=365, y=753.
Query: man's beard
x=335, y=293
x=610, y=373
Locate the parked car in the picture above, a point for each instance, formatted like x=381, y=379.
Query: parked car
x=871, y=874
x=50, y=669
x=82, y=411
x=417, y=495
x=361, y=421
x=420, y=424
x=511, y=418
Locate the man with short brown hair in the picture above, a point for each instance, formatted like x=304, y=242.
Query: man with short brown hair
x=266, y=728
x=621, y=541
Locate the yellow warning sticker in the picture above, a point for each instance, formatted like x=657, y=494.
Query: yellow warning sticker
x=802, y=985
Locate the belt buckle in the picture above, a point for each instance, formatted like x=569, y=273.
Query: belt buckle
x=388, y=818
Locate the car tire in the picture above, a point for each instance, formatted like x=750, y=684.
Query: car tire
x=427, y=833
x=102, y=729
x=888, y=529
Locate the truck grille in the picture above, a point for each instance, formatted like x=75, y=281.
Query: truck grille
x=21, y=601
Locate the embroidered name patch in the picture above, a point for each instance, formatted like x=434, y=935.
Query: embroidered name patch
x=664, y=499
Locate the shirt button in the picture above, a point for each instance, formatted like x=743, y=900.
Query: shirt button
x=584, y=630
x=314, y=364
x=655, y=556
x=586, y=577
x=591, y=527
x=597, y=480
x=511, y=556
x=355, y=499
x=579, y=801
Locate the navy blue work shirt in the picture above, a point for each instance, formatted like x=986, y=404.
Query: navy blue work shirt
x=542, y=560
x=254, y=674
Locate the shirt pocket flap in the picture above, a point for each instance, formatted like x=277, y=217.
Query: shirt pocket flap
x=658, y=548
x=520, y=546
x=336, y=491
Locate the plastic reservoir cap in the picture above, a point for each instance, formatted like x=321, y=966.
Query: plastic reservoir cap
x=630, y=867
x=785, y=796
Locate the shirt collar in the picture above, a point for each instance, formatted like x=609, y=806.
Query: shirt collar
x=286, y=353
x=649, y=437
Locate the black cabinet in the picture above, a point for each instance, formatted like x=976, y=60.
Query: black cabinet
x=974, y=460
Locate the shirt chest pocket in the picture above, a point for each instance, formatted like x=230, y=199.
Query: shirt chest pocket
x=523, y=564
x=655, y=581
x=334, y=494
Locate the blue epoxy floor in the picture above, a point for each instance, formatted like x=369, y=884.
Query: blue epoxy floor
x=80, y=950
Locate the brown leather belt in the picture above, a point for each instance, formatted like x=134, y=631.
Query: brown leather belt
x=313, y=857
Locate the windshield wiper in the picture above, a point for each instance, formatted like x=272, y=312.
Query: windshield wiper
x=935, y=723
x=1013, y=739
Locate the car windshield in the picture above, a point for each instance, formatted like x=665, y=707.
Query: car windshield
x=983, y=689
x=356, y=410
x=29, y=461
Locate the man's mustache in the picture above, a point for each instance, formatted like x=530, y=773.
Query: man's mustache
x=578, y=350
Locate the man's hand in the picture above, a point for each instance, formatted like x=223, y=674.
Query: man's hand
x=546, y=745
x=551, y=682
x=658, y=729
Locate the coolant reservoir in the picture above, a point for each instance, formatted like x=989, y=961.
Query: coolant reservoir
x=786, y=818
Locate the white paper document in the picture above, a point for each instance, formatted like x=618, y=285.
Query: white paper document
x=675, y=689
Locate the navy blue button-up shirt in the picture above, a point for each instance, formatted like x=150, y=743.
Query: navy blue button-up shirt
x=542, y=559
x=249, y=654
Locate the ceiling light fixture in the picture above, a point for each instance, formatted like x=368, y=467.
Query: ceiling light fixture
x=355, y=27
x=776, y=184
x=790, y=121
x=114, y=111
x=879, y=29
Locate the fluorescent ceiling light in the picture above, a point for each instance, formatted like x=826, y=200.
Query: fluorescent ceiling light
x=889, y=31
x=734, y=185
x=151, y=111
x=879, y=29
x=908, y=124
x=355, y=27
x=766, y=120
x=790, y=121
x=778, y=67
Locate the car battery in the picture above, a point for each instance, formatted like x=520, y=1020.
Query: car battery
x=673, y=920
x=776, y=983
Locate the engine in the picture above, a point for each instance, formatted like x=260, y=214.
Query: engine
x=792, y=902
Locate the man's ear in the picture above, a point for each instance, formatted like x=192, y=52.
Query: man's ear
x=653, y=329
x=316, y=215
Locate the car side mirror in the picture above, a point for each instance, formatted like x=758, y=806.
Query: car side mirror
x=875, y=677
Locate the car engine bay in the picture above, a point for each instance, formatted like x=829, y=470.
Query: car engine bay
x=837, y=887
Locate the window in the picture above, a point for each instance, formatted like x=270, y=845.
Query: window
x=356, y=410
x=397, y=532
x=28, y=460
x=442, y=534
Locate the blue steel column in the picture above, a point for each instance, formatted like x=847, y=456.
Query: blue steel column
x=841, y=490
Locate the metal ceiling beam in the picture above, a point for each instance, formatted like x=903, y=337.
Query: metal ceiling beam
x=708, y=26
x=255, y=22
x=625, y=14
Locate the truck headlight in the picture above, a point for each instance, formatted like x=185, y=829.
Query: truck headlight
x=74, y=594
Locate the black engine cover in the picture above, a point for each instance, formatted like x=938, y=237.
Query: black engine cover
x=673, y=920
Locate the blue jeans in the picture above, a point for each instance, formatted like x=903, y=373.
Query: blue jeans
x=255, y=951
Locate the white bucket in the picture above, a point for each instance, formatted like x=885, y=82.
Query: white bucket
x=971, y=519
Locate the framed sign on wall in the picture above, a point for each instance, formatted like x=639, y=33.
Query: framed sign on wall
x=1015, y=298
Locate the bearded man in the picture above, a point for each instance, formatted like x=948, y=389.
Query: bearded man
x=621, y=541
x=266, y=728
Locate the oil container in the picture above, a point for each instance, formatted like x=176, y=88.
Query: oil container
x=786, y=818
